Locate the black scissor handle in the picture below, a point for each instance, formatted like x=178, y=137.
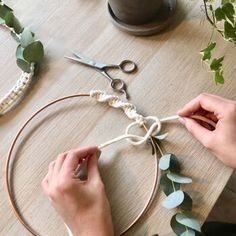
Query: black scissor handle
x=128, y=66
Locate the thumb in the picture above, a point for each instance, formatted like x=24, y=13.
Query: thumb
x=93, y=169
x=202, y=134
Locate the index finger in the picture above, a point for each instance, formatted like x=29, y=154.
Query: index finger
x=75, y=156
x=208, y=102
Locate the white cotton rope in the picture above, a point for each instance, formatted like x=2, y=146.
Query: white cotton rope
x=8, y=102
x=131, y=112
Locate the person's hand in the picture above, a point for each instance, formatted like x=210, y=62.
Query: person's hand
x=222, y=140
x=83, y=205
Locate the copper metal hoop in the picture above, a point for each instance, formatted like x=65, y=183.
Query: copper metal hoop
x=10, y=194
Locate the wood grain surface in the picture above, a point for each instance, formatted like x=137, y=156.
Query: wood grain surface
x=170, y=74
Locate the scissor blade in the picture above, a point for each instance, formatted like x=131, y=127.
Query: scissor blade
x=82, y=61
x=90, y=61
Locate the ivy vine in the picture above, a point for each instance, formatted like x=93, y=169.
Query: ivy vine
x=30, y=51
x=222, y=17
x=184, y=223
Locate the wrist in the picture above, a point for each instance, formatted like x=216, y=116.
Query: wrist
x=94, y=223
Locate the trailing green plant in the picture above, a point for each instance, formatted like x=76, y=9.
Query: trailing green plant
x=183, y=223
x=30, y=51
x=222, y=17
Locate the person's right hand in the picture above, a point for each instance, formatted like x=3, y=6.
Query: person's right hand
x=222, y=140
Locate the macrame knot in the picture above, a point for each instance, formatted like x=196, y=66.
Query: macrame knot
x=130, y=110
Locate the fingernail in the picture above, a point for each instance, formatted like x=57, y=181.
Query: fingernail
x=179, y=111
x=182, y=120
x=99, y=153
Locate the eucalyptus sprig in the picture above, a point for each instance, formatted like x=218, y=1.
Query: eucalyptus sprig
x=223, y=20
x=183, y=223
x=30, y=51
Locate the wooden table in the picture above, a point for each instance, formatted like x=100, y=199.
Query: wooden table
x=170, y=74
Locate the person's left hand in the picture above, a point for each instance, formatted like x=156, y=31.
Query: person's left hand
x=83, y=205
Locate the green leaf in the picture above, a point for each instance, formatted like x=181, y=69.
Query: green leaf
x=34, y=52
x=17, y=26
x=219, y=78
x=224, y=1
x=229, y=31
x=219, y=14
x=229, y=11
x=161, y=136
x=211, y=46
x=26, y=37
x=2, y=21
x=189, y=221
x=206, y=52
x=9, y=19
x=169, y=161
x=176, y=226
x=24, y=65
x=8, y=8
x=4, y=10
x=19, y=52
x=177, y=178
x=216, y=64
x=187, y=204
x=189, y=232
x=167, y=186
x=173, y=200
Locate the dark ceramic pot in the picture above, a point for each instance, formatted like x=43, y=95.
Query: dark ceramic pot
x=135, y=12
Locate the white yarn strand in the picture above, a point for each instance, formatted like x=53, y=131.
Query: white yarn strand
x=8, y=102
x=131, y=112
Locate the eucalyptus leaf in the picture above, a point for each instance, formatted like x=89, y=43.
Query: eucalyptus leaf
x=24, y=65
x=173, y=200
x=34, y=52
x=187, y=204
x=219, y=78
x=19, y=52
x=17, y=26
x=224, y=1
x=9, y=19
x=189, y=221
x=26, y=37
x=189, y=232
x=176, y=226
x=167, y=186
x=161, y=136
x=177, y=178
x=7, y=7
x=4, y=10
x=2, y=21
x=169, y=161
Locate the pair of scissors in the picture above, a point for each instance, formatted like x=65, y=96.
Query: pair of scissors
x=125, y=66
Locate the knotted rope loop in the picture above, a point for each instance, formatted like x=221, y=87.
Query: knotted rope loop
x=130, y=110
x=153, y=130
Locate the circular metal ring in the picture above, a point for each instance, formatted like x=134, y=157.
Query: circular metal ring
x=12, y=198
